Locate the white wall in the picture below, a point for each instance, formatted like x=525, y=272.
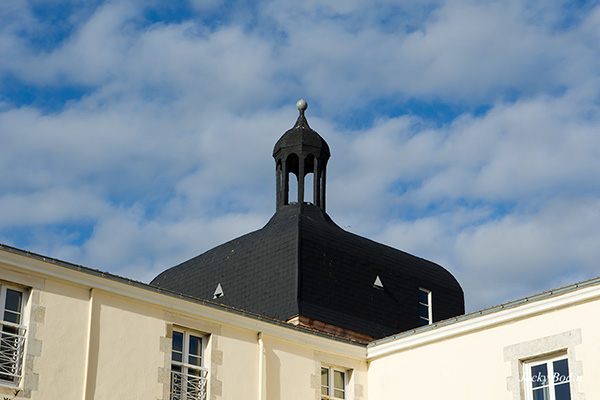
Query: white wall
x=480, y=358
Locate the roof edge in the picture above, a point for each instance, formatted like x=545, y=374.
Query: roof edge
x=516, y=309
x=153, y=290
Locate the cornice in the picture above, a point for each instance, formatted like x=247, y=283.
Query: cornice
x=486, y=319
x=174, y=302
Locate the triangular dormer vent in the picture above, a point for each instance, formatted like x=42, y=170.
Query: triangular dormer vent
x=218, y=292
x=377, y=284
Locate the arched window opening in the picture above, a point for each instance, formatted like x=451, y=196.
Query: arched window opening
x=300, y=178
x=322, y=185
x=279, y=184
x=309, y=178
x=293, y=164
x=293, y=188
x=309, y=188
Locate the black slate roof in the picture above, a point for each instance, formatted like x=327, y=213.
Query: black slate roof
x=301, y=136
x=302, y=264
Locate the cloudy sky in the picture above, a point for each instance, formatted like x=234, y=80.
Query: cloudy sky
x=137, y=134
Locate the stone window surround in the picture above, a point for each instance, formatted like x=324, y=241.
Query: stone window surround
x=213, y=355
x=354, y=390
x=519, y=353
x=33, y=317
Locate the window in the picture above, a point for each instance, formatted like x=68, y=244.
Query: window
x=425, y=317
x=12, y=334
x=548, y=379
x=333, y=383
x=188, y=376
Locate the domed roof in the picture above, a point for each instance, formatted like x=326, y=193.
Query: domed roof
x=303, y=264
x=301, y=136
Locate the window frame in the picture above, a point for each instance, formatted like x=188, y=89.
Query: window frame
x=429, y=320
x=528, y=378
x=198, y=372
x=13, y=334
x=331, y=383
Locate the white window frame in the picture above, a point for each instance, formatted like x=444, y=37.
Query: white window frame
x=189, y=381
x=528, y=379
x=429, y=320
x=12, y=339
x=330, y=383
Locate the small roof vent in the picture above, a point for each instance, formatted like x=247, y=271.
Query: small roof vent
x=218, y=292
x=377, y=284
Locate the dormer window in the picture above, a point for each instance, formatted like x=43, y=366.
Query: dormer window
x=378, y=284
x=425, y=312
x=218, y=292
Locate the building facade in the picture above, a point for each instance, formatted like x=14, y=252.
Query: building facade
x=300, y=309
x=85, y=334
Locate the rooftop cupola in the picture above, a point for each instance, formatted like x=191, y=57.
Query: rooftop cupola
x=304, y=269
x=301, y=151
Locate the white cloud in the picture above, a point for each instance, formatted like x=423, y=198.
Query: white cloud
x=128, y=244
x=537, y=251
x=54, y=205
x=168, y=152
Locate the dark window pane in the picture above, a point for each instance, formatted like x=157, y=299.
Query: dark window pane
x=562, y=391
x=9, y=329
x=423, y=311
x=325, y=381
x=561, y=371
x=539, y=375
x=177, y=357
x=10, y=316
x=13, y=300
x=541, y=394
x=338, y=380
x=177, y=341
x=423, y=322
x=423, y=296
x=195, y=345
x=194, y=360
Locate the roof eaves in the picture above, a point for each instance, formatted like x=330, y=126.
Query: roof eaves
x=145, y=286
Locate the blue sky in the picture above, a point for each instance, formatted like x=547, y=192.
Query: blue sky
x=138, y=134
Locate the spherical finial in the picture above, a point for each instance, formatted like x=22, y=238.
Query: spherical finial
x=301, y=105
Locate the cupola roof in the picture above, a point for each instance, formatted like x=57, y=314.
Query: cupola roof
x=301, y=135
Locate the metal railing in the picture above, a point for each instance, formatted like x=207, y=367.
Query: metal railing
x=12, y=346
x=188, y=382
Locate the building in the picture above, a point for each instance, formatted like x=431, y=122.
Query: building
x=70, y=332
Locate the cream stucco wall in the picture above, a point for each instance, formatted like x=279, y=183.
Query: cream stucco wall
x=95, y=338
x=293, y=371
x=63, y=337
x=124, y=349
